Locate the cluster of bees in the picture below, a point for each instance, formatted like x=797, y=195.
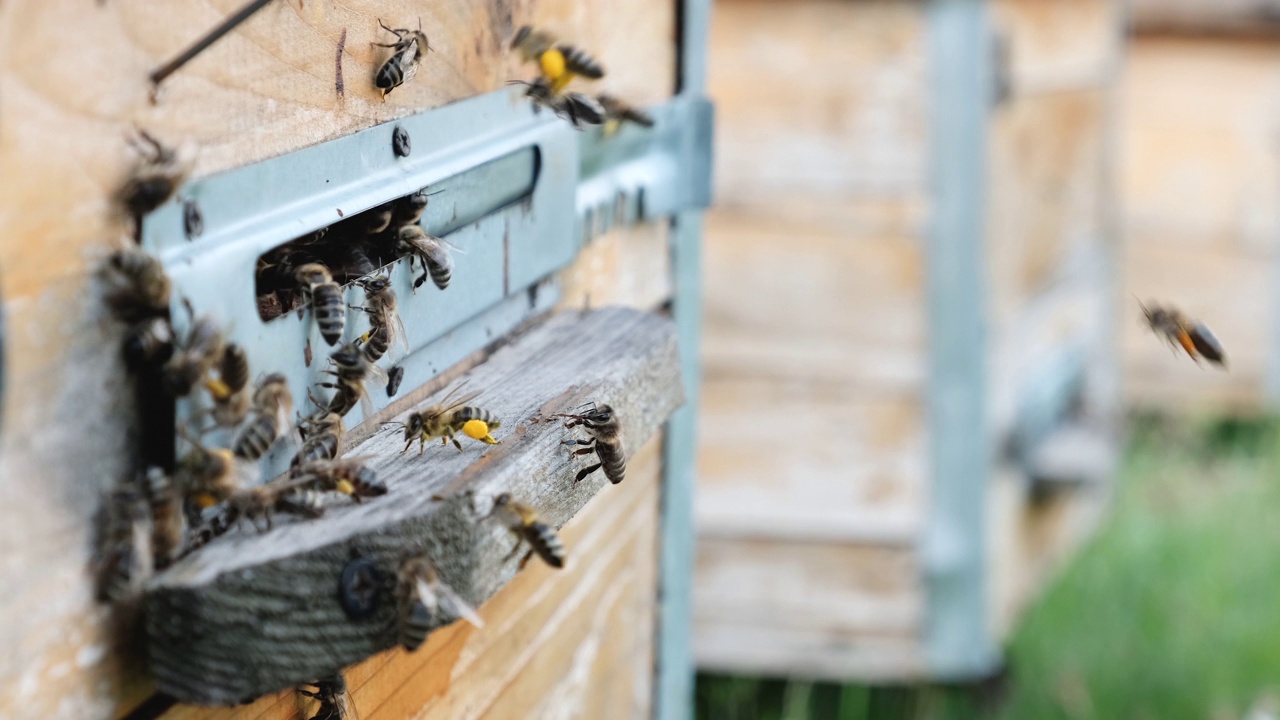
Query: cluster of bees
x=172, y=508
x=1192, y=336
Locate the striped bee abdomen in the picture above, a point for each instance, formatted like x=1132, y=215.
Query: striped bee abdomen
x=577, y=61
x=379, y=341
x=330, y=310
x=415, y=623
x=256, y=438
x=613, y=459
x=546, y=543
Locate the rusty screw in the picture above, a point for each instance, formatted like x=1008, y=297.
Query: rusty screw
x=400, y=142
x=192, y=220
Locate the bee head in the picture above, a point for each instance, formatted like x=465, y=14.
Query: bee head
x=346, y=356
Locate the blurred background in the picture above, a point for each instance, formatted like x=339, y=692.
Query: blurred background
x=945, y=468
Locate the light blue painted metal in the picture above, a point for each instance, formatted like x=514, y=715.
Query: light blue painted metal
x=958, y=640
x=512, y=205
x=674, y=683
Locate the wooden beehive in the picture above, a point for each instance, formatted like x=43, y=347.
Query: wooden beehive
x=297, y=74
x=1200, y=173
x=909, y=385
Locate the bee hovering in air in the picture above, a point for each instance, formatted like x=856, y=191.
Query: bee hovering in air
x=268, y=418
x=156, y=177
x=524, y=522
x=352, y=373
x=559, y=63
x=321, y=437
x=350, y=476
x=577, y=108
x=328, y=304
x=1192, y=336
x=334, y=702
x=605, y=441
x=194, y=356
x=618, y=111
x=447, y=418
x=386, y=327
x=424, y=600
x=431, y=251
x=137, y=285
x=406, y=53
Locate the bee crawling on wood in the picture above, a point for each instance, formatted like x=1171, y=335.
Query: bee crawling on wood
x=334, y=702
x=406, y=53
x=1193, y=337
x=293, y=495
x=350, y=476
x=268, y=418
x=137, y=285
x=524, y=522
x=423, y=600
x=447, y=418
x=124, y=560
x=558, y=63
x=601, y=424
x=328, y=303
x=156, y=177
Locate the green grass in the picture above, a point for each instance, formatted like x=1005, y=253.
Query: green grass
x=1171, y=612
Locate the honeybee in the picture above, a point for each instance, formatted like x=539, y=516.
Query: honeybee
x=157, y=176
x=448, y=417
x=394, y=376
x=409, y=209
x=194, y=357
x=354, y=264
x=524, y=522
x=334, y=700
x=575, y=107
x=211, y=474
x=616, y=109
x=606, y=442
x=349, y=476
x=322, y=438
x=125, y=560
x=1193, y=337
x=433, y=252
x=558, y=62
x=378, y=219
x=230, y=391
x=270, y=409
x=352, y=371
x=167, y=529
x=138, y=286
x=328, y=305
x=387, y=328
x=423, y=600
x=407, y=51
x=289, y=495
x=149, y=343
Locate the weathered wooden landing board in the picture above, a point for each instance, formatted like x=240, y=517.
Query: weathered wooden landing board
x=255, y=613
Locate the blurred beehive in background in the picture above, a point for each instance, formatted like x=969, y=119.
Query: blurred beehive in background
x=1201, y=119
x=824, y=538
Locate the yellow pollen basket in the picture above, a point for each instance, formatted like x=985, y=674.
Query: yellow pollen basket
x=479, y=430
x=552, y=64
x=205, y=500
x=345, y=487
x=217, y=389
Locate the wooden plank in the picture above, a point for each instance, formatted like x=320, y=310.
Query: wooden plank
x=789, y=130
x=266, y=89
x=531, y=631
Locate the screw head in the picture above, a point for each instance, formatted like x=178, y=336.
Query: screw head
x=400, y=142
x=359, y=588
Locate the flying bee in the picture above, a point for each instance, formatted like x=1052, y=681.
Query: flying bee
x=322, y=438
x=1193, y=337
x=387, y=328
x=167, y=529
x=269, y=418
x=328, y=305
x=431, y=251
x=618, y=110
x=558, y=62
x=230, y=391
x=157, y=177
x=148, y=344
x=194, y=357
x=125, y=560
x=349, y=476
x=394, y=376
x=211, y=474
x=407, y=52
x=138, y=287
x=577, y=108
x=524, y=522
x=605, y=441
x=333, y=698
x=447, y=418
x=423, y=600
x=352, y=372
x=290, y=495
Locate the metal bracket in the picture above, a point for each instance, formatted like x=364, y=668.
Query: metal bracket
x=523, y=192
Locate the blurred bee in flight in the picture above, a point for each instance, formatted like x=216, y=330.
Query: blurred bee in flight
x=559, y=63
x=268, y=418
x=156, y=177
x=423, y=600
x=524, y=522
x=1192, y=336
x=331, y=699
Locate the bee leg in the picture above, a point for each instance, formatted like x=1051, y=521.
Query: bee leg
x=456, y=443
x=407, y=446
x=525, y=560
x=587, y=471
x=515, y=550
x=582, y=451
x=578, y=442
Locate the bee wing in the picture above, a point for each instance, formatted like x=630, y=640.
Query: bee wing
x=460, y=401
x=349, y=711
x=458, y=607
x=399, y=338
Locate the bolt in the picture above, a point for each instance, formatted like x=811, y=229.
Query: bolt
x=400, y=142
x=192, y=220
x=358, y=588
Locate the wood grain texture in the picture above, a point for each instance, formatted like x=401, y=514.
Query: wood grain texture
x=266, y=89
x=243, y=617
x=536, y=649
